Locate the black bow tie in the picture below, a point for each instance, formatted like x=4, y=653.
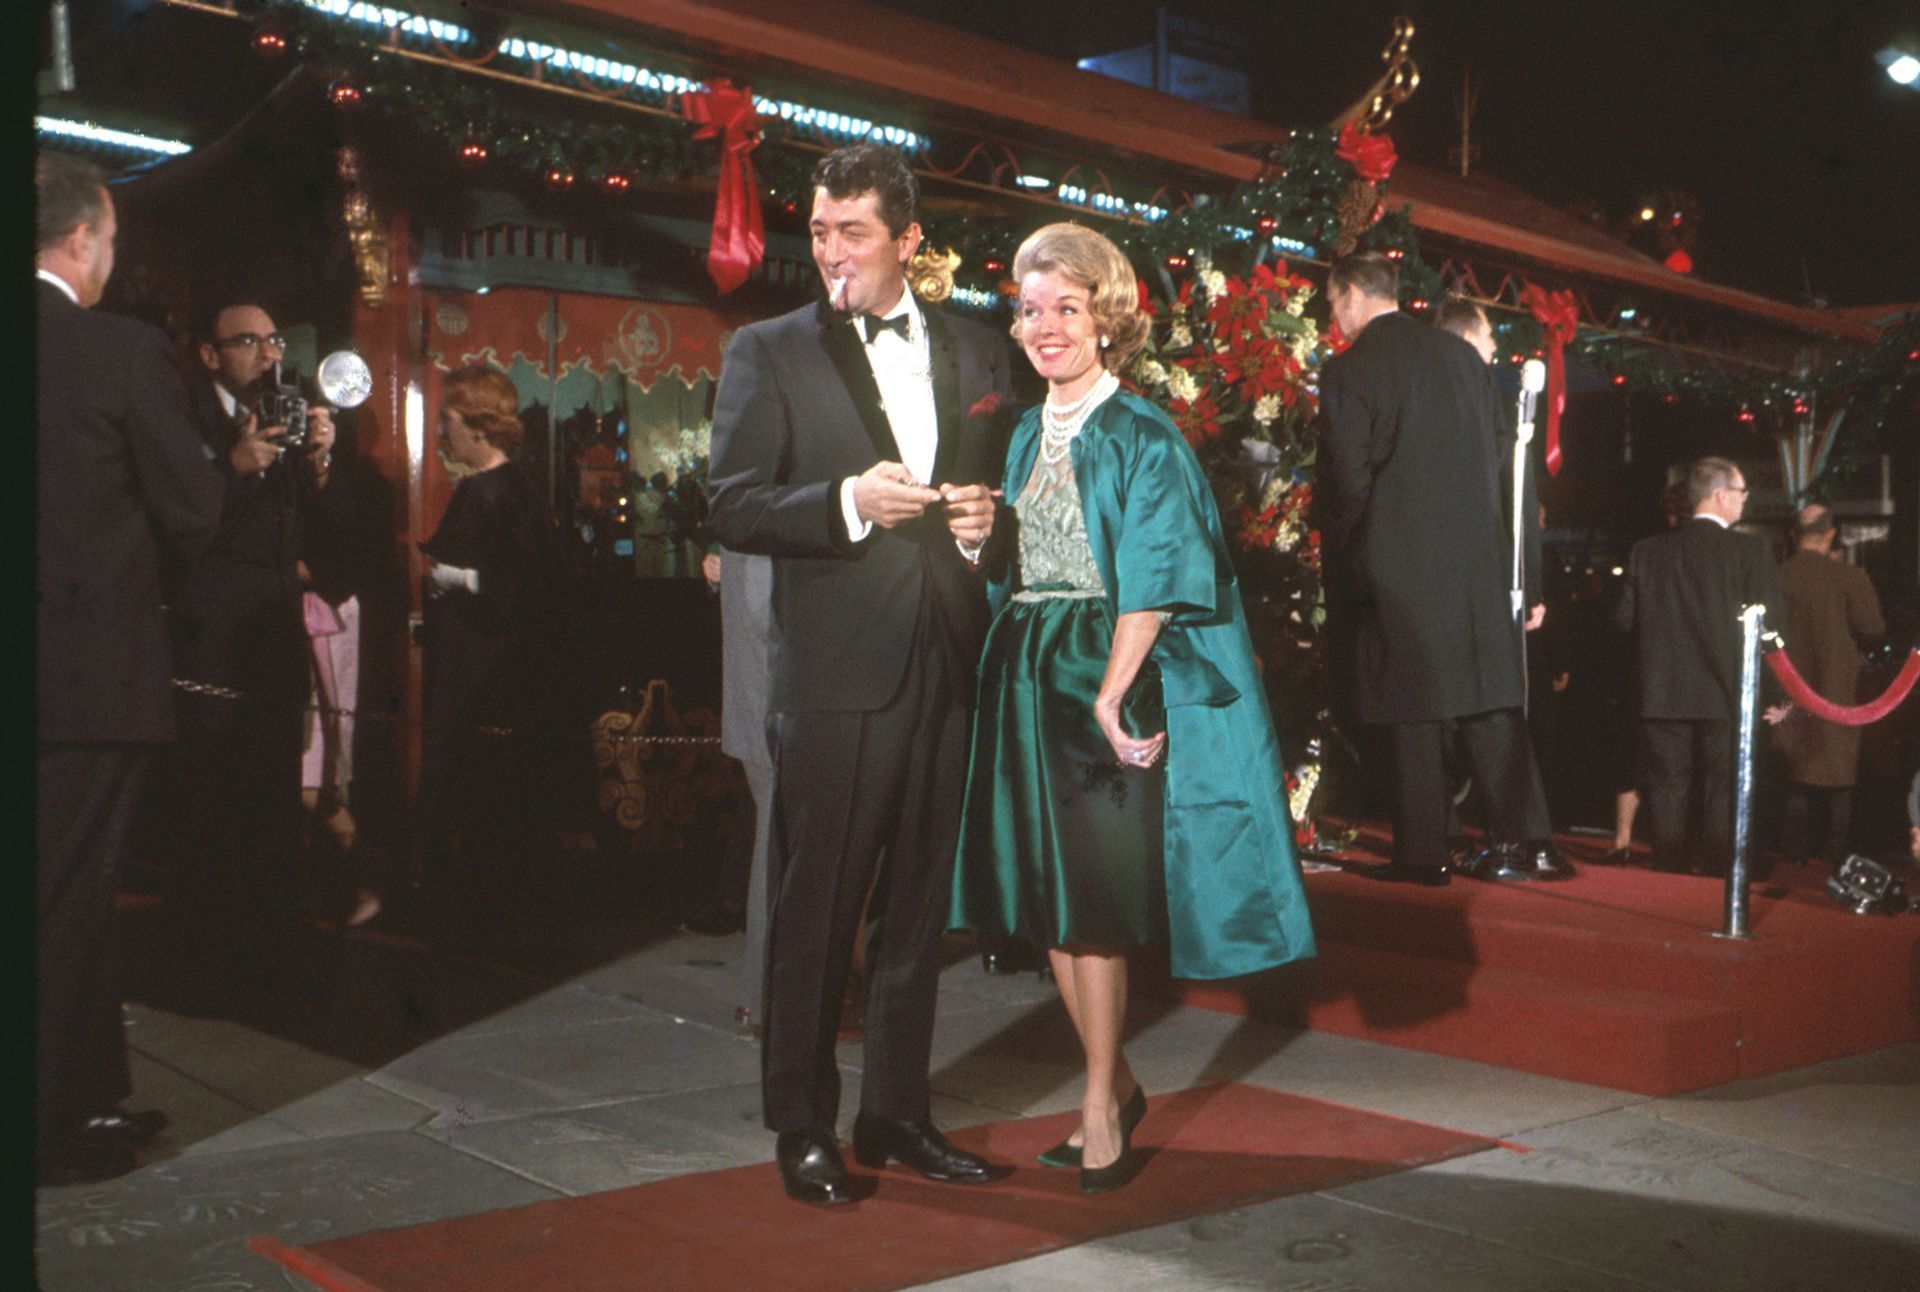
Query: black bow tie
x=898, y=323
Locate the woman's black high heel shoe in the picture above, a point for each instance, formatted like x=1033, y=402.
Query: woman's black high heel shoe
x=1099, y=1179
x=1067, y=1153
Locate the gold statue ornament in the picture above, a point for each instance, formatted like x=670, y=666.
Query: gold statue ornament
x=930, y=273
x=1373, y=109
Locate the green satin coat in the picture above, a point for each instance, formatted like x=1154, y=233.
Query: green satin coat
x=1235, y=903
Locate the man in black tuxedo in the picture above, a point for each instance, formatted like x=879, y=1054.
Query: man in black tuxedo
x=1541, y=858
x=848, y=446
x=1682, y=599
x=233, y=782
x=120, y=471
x=1418, y=568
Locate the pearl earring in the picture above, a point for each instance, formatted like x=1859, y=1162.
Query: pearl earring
x=1105, y=341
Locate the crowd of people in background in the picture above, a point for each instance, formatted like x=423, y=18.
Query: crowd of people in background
x=215, y=739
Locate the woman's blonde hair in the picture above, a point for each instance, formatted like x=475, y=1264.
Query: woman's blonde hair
x=488, y=403
x=1089, y=259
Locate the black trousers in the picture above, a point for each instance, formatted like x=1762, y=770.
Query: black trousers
x=1795, y=820
x=1678, y=758
x=1498, y=749
x=85, y=795
x=850, y=786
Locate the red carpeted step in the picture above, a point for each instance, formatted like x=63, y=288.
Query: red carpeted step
x=1610, y=978
x=1631, y=1040
x=1209, y=1150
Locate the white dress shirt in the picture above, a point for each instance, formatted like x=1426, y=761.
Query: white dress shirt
x=67, y=287
x=903, y=370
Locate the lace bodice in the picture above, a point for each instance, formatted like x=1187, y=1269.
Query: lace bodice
x=1055, y=559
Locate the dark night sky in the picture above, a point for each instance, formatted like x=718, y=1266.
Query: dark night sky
x=1804, y=156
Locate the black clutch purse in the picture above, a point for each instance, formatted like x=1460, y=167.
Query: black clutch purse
x=1143, y=712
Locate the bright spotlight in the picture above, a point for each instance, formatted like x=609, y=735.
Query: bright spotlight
x=1904, y=70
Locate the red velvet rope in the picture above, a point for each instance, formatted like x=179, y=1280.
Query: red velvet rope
x=1858, y=715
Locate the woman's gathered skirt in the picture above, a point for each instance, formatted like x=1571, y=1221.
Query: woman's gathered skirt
x=1059, y=844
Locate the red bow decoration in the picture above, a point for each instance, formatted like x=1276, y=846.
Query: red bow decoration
x=739, y=233
x=1372, y=155
x=1559, y=317
x=985, y=406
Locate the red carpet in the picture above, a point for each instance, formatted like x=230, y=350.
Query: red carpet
x=1211, y=1150
x=1609, y=978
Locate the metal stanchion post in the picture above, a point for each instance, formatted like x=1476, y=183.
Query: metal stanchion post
x=1736, y=925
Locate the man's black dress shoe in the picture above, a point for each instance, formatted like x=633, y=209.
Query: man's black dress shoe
x=1500, y=861
x=811, y=1169
x=919, y=1145
x=1548, y=861
x=119, y=1127
x=84, y=1162
x=1395, y=873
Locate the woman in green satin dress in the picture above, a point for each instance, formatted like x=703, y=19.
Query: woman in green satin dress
x=1118, y=629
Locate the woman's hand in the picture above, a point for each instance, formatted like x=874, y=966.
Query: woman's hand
x=1131, y=753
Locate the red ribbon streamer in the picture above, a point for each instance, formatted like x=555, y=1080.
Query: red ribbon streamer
x=739, y=233
x=1372, y=156
x=1558, y=316
x=1858, y=715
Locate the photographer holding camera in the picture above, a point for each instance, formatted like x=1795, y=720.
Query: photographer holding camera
x=232, y=802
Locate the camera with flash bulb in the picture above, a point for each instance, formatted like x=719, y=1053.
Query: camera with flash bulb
x=344, y=381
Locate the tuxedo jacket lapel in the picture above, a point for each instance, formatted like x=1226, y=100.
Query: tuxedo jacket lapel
x=945, y=361
x=844, y=347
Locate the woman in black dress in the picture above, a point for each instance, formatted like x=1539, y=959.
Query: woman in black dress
x=490, y=570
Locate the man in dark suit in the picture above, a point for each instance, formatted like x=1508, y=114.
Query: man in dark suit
x=1542, y=857
x=233, y=782
x=845, y=447
x=1418, y=567
x=120, y=470
x=1682, y=599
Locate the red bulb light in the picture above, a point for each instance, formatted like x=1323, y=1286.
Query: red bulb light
x=1619, y=378
x=617, y=182
x=1394, y=253
x=993, y=266
x=344, y=94
x=1268, y=224
x=1176, y=261
x=269, y=43
x=558, y=178
x=472, y=153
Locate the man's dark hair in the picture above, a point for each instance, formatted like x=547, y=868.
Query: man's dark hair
x=205, y=321
x=1814, y=520
x=872, y=168
x=1705, y=476
x=1460, y=316
x=1368, y=272
x=69, y=191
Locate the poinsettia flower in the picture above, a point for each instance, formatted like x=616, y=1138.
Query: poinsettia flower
x=1372, y=155
x=1198, y=418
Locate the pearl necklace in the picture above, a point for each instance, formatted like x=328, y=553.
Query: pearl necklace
x=1060, y=425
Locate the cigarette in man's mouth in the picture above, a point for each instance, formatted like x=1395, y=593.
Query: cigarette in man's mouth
x=838, y=294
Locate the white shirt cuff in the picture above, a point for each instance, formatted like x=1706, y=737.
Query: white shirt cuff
x=971, y=553
x=857, y=529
